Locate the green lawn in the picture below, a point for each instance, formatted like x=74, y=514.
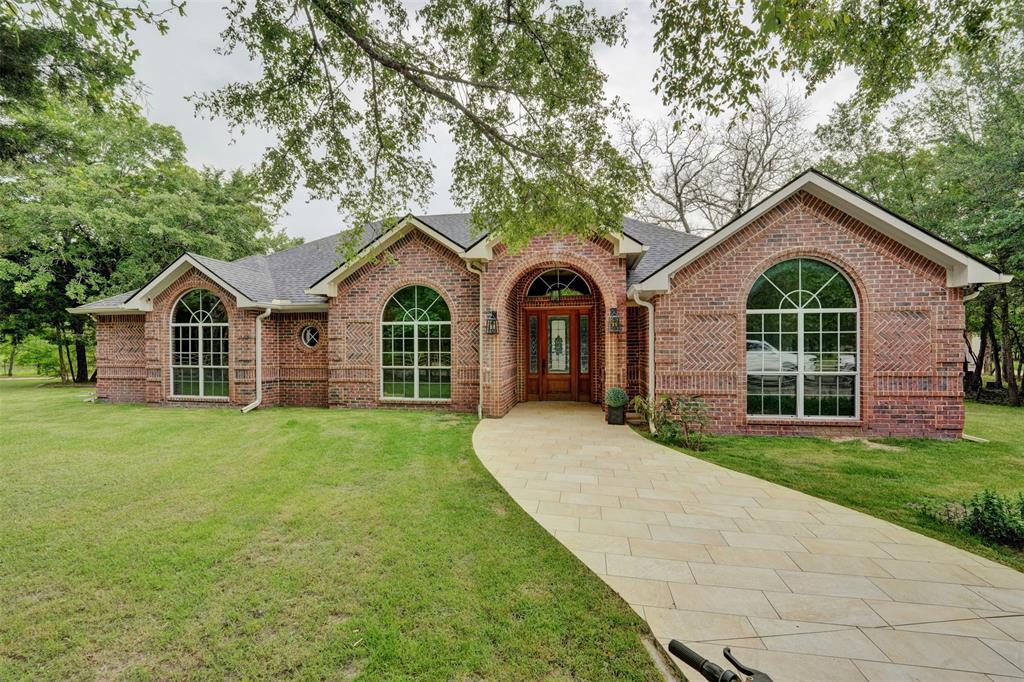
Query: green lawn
x=885, y=483
x=149, y=543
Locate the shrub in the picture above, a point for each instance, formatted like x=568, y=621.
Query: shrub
x=988, y=515
x=682, y=420
x=615, y=397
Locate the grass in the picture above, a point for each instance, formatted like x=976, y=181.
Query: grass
x=147, y=543
x=885, y=483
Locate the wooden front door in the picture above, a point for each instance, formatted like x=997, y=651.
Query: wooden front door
x=558, y=353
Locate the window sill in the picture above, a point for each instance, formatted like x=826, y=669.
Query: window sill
x=199, y=399
x=418, y=401
x=802, y=421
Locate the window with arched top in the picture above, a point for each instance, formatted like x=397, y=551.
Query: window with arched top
x=558, y=283
x=416, y=346
x=199, y=346
x=802, y=342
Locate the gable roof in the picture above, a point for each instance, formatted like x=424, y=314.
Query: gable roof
x=284, y=280
x=962, y=268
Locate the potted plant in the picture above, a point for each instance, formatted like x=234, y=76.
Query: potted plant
x=616, y=400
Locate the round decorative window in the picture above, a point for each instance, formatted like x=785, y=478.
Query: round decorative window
x=310, y=336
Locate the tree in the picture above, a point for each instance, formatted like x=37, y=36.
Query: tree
x=102, y=209
x=352, y=90
x=953, y=160
x=700, y=177
x=72, y=48
x=717, y=54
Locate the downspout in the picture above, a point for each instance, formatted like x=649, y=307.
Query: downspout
x=480, y=344
x=259, y=362
x=650, y=353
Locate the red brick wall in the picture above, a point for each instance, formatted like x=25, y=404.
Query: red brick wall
x=509, y=271
x=355, y=314
x=121, y=358
x=301, y=371
x=636, y=352
x=911, y=325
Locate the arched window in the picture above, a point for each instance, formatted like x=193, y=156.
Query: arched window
x=199, y=346
x=802, y=345
x=416, y=346
x=558, y=283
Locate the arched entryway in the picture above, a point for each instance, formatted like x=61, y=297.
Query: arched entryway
x=537, y=301
x=561, y=335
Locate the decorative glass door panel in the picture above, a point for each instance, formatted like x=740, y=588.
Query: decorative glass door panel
x=558, y=345
x=556, y=353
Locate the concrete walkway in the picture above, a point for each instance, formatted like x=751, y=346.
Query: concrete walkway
x=800, y=588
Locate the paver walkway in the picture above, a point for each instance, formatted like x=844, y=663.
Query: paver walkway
x=800, y=588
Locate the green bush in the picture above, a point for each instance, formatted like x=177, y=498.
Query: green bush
x=682, y=420
x=615, y=397
x=987, y=515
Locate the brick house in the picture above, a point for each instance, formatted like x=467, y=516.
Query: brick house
x=815, y=312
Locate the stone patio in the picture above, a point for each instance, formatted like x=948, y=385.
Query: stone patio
x=800, y=588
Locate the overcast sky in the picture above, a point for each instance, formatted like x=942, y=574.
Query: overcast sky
x=184, y=61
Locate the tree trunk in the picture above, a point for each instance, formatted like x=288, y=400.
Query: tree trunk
x=14, y=351
x=71, y=363
x=81, y=361
x=969, y=378
x=60, y=355
x=997, y=368
x=979, y=369
x=1013, y=397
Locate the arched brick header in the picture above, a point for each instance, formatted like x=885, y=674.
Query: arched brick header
x=505, y=275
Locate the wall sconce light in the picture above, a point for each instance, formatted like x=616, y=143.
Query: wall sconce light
x=614, y=322
x=491, y=322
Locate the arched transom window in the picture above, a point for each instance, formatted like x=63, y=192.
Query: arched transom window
x=199, y=346
x=802, y=346
x=416, y=346
x=558, y=283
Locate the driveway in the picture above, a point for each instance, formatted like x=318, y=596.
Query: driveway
x=801, y=588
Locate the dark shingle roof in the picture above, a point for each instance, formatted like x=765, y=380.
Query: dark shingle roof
x=286, y=275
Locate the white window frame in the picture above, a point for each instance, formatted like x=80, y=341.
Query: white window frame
x=200, y=325
x=800, y=370
x=415, y=367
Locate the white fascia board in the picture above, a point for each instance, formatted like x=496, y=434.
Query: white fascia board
x=328, y=286
x=143, y=298
x=118, y=309
x=287, y=306
x=625, y=245
x=961, y=269
x=483, y=250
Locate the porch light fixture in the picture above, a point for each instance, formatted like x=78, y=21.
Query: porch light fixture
x=491, y=322
x=614, y=322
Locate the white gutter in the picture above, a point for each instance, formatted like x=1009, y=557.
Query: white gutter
x=480, y=344
x=650, y=353
x=259, y=362
x=975, y=294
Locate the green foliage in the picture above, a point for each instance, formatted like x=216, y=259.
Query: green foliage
x=96, y=202
x=514, y=83
x=616, y=397
x=683, y=420
x=38, y=353
x=79, y=49
x=713, y=57
x=988, y=515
